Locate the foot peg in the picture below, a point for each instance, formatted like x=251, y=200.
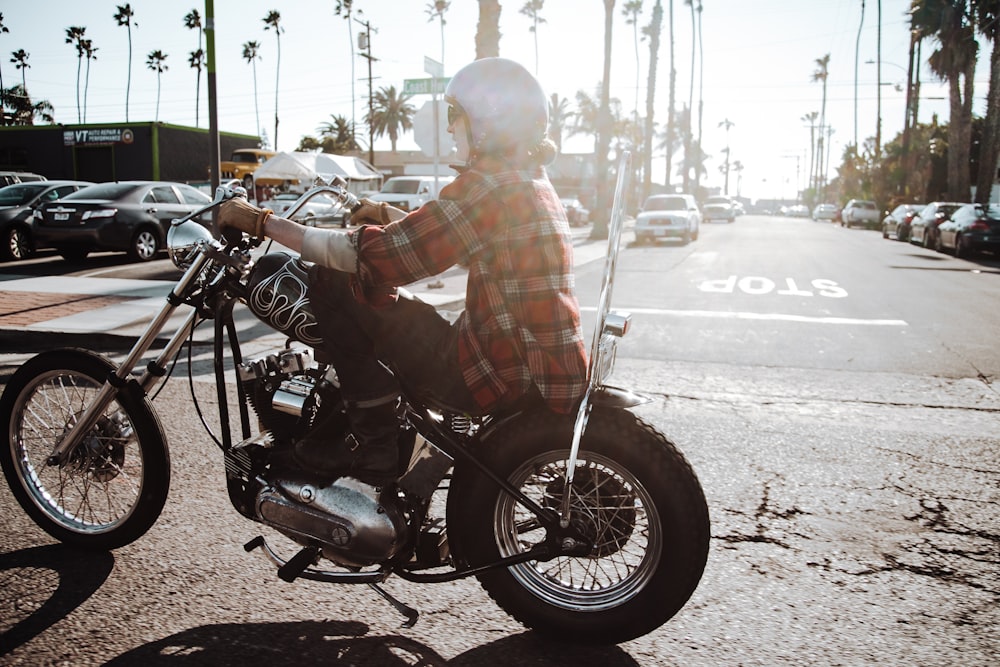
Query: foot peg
x=298, y=564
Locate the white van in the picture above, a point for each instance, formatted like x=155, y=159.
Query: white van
x=410, y=192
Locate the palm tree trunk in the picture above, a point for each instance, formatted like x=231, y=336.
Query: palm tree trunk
x=600, y=228
x=701, y=101
x=488, y=29
x=79, y=63
x=86, y=90
x=256, y=100
x=128, y=81
x=157, y=97
x=654, y=54
x=672, y=102
x=990, y=147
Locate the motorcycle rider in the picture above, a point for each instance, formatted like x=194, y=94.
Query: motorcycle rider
x=519, y=335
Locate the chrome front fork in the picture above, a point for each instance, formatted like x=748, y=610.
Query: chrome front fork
x=117, y=380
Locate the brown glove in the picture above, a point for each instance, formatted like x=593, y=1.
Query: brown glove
x=376, y=212
x=244, y=216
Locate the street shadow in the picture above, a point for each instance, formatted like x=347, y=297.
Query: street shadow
x=348, y=643
x=80, y=574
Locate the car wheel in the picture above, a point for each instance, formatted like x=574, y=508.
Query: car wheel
x=145, y=244
x=17, y=244
x=963, y=248
x=885, y=232
x=938, y=245
x=73, y=254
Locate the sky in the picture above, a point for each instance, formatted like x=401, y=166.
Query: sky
x=757, y=62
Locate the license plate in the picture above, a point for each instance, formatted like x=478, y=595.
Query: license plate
x=61, y=216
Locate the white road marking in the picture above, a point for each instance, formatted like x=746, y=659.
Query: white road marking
x=776, y=317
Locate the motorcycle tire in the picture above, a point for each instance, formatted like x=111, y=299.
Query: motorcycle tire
x=635, y=496
x=114, y=484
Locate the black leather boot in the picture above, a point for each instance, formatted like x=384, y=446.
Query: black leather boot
x=369, y=451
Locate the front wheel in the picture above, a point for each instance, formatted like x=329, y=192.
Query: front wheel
x=113, y=486
x=634, y=497
x=17, y=244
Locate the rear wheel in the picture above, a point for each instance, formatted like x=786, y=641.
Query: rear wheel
x=635, y=499
x=113, y=486
x=17, y=244
x=145, y=245
x=963, y=248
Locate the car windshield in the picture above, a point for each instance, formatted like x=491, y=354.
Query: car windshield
x=103, y=191
x=665, y=204
x=717, y=200
x=245, y=158
x=401, y=186
x=17, y=195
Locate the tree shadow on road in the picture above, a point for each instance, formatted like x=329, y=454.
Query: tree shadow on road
x=74, y=575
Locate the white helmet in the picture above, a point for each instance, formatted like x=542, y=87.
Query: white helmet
x=504, y=105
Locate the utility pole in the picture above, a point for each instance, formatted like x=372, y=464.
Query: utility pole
x=365, y=45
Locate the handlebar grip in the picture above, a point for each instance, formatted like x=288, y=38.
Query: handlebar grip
x=232, y=236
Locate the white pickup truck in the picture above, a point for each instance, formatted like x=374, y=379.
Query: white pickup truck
x=861, y=213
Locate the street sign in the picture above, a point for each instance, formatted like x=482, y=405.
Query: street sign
x=425, y=86
x=424, y=132
x=433, y=67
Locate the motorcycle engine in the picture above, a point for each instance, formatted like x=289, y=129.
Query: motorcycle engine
x=357, y=524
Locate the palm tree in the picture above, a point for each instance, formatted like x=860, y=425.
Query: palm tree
x=436, y=10
x=600, y=228
x=689, y=131
x=953, y=61
x=272, y=21
x=488, y=29
x=391, y=113
x=90, y=51
x=559, y=115
x=344, y=8
x=124, y=16
x=20, y=60
x=988, y=21
x=74, y=36
x=821, y=75
x=22, y=111
x=338, y=136
x=631, y=12
x=652, y=31
x=3, y=117
x=155, y=61
x=192, y=20
x=250, y=55
x=701, y=97
x=531, y=9
x=671, y=138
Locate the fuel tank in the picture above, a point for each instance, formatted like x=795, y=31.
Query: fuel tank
x=279, y=297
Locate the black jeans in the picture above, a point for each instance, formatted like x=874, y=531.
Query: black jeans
x=419, y=345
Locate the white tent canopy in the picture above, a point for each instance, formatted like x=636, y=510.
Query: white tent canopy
x=303, y=168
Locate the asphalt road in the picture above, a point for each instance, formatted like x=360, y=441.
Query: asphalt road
x=846, y=439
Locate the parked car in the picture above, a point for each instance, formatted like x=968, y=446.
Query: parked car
x=924, y=226
x=411, y=192
x=576, y=213
x=971, y=229
x=897, y=221
x=797, y=211
x=11, y=177
x=17, y=205
x=719, y=207
x=129, y=215
x=860, y=212
x=825, y=212
x=320, y=209
x=668, y=216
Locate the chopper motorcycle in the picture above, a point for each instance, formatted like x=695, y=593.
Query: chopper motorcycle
x=591, y=527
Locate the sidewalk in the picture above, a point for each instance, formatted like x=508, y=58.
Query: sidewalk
x=109, y=313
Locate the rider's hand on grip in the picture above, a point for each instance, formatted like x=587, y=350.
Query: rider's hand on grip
x=375, y=212
x=238, y=213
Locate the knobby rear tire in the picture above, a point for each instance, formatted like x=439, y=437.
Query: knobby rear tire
x=114, y=485
x=635, y=495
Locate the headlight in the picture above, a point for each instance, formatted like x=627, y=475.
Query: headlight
x=183, y=242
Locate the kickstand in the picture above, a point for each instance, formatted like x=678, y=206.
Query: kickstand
x=410, y=613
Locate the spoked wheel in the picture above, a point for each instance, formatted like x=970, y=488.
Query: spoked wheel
x=114, y=484
x=635, y=499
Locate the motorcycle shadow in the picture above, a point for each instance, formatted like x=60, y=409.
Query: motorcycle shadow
x=347, y=643
x=74, y=575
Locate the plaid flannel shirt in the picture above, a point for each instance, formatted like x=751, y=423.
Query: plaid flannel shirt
x=521, y=325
